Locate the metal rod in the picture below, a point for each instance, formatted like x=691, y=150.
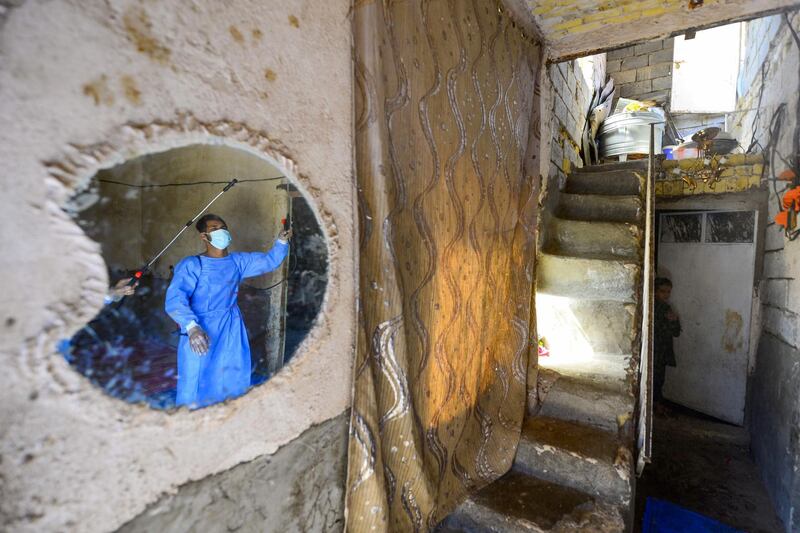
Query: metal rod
x=188, y=225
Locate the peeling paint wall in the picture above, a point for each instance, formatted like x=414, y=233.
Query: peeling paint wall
x=774, y=391
x=88, y=85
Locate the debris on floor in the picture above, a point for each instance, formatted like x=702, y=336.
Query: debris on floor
x=705, y=465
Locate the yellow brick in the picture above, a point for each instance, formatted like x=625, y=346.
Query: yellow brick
x=758, y=168
x=567, y=24
x=603, y=16
x=659, y=188
x=730, y=185
x=735, y=159
x=622, y=19
x=654, y=12
x=728, y=172
x=744, y=170
x=741, y=183
x=588, y=27
x=636, y=7
x=755, y=181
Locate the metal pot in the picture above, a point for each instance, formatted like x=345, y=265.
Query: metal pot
x=629, y=133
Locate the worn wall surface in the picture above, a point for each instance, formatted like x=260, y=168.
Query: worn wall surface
x=87, y=85
x=774, y=391
x=298, y=488
x=572, y=29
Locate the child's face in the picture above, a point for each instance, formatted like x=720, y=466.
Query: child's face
x=663, y=293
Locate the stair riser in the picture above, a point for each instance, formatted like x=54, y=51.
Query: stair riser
x=586, y=278
x=616, y=183
x=638, y=166
x=572, y=470
x=596, y=408
x=571, y=237
x=574, y=327
x=598, y=208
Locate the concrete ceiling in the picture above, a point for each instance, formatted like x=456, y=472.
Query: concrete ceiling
x=573, y=28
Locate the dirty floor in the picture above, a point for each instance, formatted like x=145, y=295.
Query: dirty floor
x=705, y=465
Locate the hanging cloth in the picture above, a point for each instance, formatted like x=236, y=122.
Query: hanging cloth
x=444, y=102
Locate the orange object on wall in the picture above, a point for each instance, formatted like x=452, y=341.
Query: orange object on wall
x=791, y=205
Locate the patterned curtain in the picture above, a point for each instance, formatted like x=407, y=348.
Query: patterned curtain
x=445, y=116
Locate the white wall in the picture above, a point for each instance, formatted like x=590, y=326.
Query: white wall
x=86, y=85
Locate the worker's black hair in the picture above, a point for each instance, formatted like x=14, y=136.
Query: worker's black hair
x=205, y=219
x=661, y=282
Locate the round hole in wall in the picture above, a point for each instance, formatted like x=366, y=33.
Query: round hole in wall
x=205, y=322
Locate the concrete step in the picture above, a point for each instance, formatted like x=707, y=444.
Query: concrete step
x=518, y=503
x=595, y=207
x=639, y=165
x=586, y=402
x=579, y=327
x=594, y=239
x=607, y=370
x=591, y=279
x=576, y=456
x=612, y=182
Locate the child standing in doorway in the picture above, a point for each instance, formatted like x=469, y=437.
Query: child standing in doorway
x=666, y=327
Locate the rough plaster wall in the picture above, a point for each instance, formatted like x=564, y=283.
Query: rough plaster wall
x=85, y=85
x=576, y=28
x=299, y=488
x=775, y=386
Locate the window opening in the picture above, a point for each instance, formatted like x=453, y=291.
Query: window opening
x=130, y=349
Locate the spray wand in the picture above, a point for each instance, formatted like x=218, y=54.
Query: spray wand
x=146, y=268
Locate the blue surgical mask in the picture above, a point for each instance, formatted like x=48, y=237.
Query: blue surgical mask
x=220, y=238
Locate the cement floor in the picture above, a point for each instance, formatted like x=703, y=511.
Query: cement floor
x=705, y=465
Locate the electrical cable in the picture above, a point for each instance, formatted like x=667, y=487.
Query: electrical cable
x=184, y=184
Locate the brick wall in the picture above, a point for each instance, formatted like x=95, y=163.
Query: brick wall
x=738, y=173
x=644, y=71
x=572, y=86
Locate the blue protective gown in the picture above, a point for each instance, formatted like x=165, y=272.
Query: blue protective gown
x=205, y=290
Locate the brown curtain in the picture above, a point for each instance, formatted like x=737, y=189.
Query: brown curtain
x=444, y=119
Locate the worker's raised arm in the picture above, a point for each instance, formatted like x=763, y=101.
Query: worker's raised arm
x=179, y=293
x=257, y=263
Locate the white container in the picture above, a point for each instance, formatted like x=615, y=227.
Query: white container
x=629, y=133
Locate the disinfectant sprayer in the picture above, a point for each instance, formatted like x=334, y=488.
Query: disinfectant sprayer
x=145, y=269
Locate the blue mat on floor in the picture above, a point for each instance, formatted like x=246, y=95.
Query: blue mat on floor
x=665, y=517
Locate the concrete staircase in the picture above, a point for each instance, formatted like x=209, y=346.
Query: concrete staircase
x=574, y=466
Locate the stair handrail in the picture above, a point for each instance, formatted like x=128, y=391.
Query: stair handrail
x=645, y=426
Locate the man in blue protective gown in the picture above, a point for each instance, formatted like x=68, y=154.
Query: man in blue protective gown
x=214, y=352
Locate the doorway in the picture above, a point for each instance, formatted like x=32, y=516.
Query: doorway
x=710, y=258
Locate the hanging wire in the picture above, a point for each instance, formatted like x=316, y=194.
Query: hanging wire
x=184, y=184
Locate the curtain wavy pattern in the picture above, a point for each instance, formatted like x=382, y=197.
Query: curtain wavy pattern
x=445, y=101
